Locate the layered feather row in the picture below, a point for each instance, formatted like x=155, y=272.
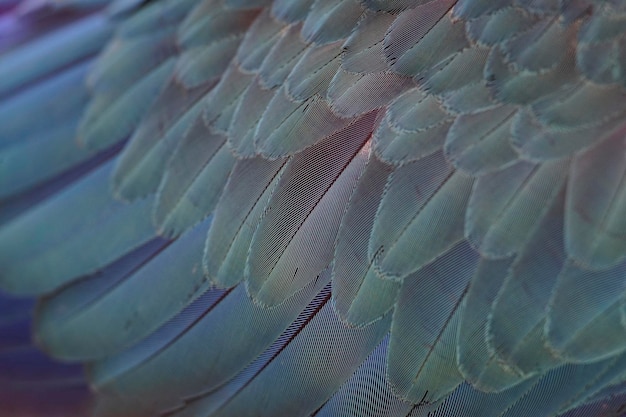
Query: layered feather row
x=329, y=207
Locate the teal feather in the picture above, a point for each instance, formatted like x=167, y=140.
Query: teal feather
x=273, y=270
x=422, y=349
x=246, y=197
x=519, y=309
x=291, y=11
x=475, y=358
x=368, y=208
x=280, y=60
x=479, y=143
x=140, y=166
x=65, y=46
x=354, y=278
x=250, y=108
x=47, y=261
x=31, y=153
x=155, y=385
x=193, y=180
x=313, y=72
x=298, y=371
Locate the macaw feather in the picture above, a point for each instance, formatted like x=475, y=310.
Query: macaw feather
x=408, y=208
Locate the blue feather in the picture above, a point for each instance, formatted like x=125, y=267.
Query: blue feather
x=402, y=208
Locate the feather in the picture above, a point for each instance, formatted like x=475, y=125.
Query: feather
x=414, y=126
x=353, y=278
x=325, y=339
x=520, y=307
x=291, y=11
x=422, y=348
x=364, y=392
x=123, y=113
x=108, y=368
x=477, y=402
x=362, y=51
x=200, y=65
x=140, y=166
x=153, y=383
x=289, y=126
x=475, y=360
x=364, y=65
x=596, y=196
x=600, y=42
x=120, y=7
x=221, y=102
x=246, y=117
x=329, y=21
x=309, y=217
x=582, y=334
x=313, y=72
x=557, y=388
x=436, y=209
x=541, y=47
x=499, y=25
x=212, y=21
x=511, y=85
x=284, y=54
x=479, y=143
x=431, y=172
x=246, y=4
x=116, y=226
x=563, y=110
x=212, y=401
x=69, y=323
x=505, y=206
x=245, y=198
x=17, y=127
x=404, y=207
x=471, y=98
x=30, y=154
x=126, y=60
x=351, y=95
x=193, y=180
x=472, y=9
x=258, y=41
x=422, y=38
x=63, y=47
x=154, y=16
x=464, y=69
x=538, y=142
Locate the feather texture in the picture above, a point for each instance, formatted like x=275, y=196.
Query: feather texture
x=401, y=208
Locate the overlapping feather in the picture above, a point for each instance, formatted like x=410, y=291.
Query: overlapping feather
x=441, y=179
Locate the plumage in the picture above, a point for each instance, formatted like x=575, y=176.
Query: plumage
x=400, y=208
x=50, y=150
x=354, y=278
